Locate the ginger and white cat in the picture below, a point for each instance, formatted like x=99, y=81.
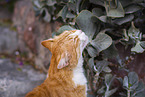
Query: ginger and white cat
x=65, y=74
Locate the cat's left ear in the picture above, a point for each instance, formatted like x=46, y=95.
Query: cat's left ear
x=48, y=43
x=63, y=62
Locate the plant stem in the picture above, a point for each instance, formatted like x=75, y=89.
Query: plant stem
x=128, y=93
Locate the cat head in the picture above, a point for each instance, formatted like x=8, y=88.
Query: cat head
x=67, y=47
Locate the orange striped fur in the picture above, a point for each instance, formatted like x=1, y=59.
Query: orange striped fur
x=66, y=53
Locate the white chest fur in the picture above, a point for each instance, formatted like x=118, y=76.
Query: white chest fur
x=78, y=74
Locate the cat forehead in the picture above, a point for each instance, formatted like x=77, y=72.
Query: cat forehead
x=77, y=32
x=70, y=33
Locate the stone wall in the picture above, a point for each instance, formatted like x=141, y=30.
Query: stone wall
x=31, y=31
x=8, y=40
x=17, y=80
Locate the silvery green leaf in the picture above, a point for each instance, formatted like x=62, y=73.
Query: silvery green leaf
x=70, y=15
x=72, y=1
x=125, y=2
x=100, y=65
x=101, y=18
x=86, y=24
x=142, y=94
x=114, y=12
x=91, y=62
x=108, y=54
x=97, y=2
x=140, y=87
x=138, y=48
x=51, y=2
x=132, y=8
x=97, y=12
x=109, y=79
x=125, y=82
x=133, y=32
x=101, y=90
x=120, y=80
x=101, y=42
x=113, y=3
x=71, y=6
x=110, y=92
x=123, y=20
x=47, y=16
x=64, y=28
x=37, y=3
x=140, y=36
x=63, y=12
x=142, y=44
x=107, y=69
x=92, y=52
x=133, y=80
x=126, y=38
x=78, y=5
x=122, y=94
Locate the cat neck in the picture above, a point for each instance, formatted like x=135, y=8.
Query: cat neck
x=53, y=70
x=78, y=73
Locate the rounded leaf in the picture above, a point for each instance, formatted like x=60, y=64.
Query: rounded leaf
x=107, y=69
x=101, y=42
x=37, y=3
x=110, y=52
x=138, y=48
x=97, y=2
x=91, y=63
x=51, y=2
x=101, y=65
x=123, y=20
x=101, y=90
x=114, y=12
x=47, y=16
x=140, y=87
x=133, y=32
x=110, y=92
x=132, y=8
x=64, y=28
x=63, y=12
x=86, y=24
x=125, y=82
x=92, y=52
x=133, y=80
x=142, y=44
x=97, y=12
x=109, y=79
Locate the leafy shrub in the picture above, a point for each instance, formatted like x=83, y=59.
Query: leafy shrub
x=106, y=23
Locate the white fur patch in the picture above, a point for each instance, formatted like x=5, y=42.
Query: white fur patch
x=78, y=74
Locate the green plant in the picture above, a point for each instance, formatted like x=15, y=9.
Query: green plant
x=106, y=23
x=132, y=85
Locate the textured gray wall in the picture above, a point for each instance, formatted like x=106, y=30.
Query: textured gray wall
x=8, y=40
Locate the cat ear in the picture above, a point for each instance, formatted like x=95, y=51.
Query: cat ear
x=48, y=43
x=63, y=62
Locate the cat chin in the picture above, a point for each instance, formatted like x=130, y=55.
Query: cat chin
x=84, y=40
x=84, y=44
